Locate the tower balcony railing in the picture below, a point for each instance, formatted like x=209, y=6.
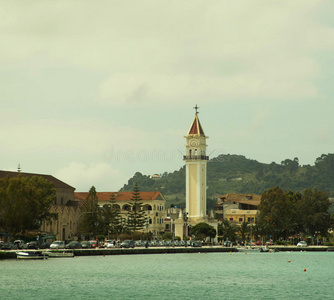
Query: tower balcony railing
x=195, y=157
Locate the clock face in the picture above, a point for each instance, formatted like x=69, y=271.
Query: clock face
x=193, y=143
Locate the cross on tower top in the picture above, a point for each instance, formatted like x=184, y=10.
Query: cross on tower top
x=196, y=108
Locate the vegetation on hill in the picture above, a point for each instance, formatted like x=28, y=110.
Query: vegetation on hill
x=238, y=174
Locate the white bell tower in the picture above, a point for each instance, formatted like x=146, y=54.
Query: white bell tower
x=196, y=162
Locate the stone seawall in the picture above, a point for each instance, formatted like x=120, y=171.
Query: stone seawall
x=167, y=250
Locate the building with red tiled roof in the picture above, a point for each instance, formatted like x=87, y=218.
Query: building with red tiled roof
x=64, y=205
x=238, y=207
x=153, y=204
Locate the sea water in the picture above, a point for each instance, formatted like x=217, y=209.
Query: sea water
x=283, y=275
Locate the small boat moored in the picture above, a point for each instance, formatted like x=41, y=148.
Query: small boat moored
x=31, y=255
x=249, y=249
x=52, y=254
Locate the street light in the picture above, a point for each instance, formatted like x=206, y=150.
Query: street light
x=147, y=223
x=185, y=224
x=317, y=233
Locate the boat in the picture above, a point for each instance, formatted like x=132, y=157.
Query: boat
x=253, y=249
x=31, y=255
x=53, y=254
x=249, y=249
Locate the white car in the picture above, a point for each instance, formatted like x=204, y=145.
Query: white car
x=302, y=244
x=110, y=245
x=57, y=245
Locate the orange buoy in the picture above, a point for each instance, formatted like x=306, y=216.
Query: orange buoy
x=304, y=270
x=289, y=260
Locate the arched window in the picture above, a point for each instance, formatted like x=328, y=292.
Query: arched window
x=116, y=206
x=126, y=207
x=147, y=207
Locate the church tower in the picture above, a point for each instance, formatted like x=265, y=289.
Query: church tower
x=196, y=161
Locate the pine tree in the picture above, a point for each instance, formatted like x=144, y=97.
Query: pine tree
x=91, y=220
x=112, y=216
x=136, y=216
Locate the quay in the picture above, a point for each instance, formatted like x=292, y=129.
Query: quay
x=11, y=254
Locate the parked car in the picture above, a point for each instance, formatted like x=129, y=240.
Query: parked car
x=57, y=245
x=73, y=245
x=302, y=244
x=93, y=244
x=128, y=244
x=107, y=242
x=8, y=246
x=139, y=243
x=20, y=244
x=196, y=244
x=86, y=245
x=110, y=244
x=33, y=245
x=44, y=245
x=228, y=243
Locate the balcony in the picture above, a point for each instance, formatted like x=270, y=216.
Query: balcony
x=195, y=157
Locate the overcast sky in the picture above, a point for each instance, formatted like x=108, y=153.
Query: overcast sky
x=94, y=91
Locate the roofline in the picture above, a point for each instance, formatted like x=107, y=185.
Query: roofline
x=51, y=178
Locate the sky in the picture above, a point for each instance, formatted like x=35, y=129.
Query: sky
x=92, y=92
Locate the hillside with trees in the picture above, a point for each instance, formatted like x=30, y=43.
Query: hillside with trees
x=238, y=174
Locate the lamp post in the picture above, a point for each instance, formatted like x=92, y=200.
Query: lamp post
x=317, y=233
x=185, y=224
x=147, y=223
x=173, y=231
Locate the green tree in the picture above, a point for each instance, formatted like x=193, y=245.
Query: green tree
x=227, y=230
x=276, y=212
x=24, y=203
x=112, y=217
x=92, y=223
x=203, y=230
x=313, y=211
x=167, y=236
x=244, y=230
x=136, y=216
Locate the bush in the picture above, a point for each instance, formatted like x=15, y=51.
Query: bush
x=167, y=236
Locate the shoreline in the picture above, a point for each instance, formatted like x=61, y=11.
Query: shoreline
x=11, y=254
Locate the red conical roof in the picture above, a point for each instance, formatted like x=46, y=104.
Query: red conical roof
x=196, y=127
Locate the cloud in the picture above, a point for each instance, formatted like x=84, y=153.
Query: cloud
x=83, y=176
x=151, y=51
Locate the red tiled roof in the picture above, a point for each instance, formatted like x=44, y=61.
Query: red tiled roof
x=196, y=127
x=251, y=199
x=57, y=183
x=120, y=196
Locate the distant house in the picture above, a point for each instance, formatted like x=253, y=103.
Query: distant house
x=153, y=205
x=238, y=207
x=63, y=204
x=155, y=176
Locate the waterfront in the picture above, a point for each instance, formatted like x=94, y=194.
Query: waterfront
x=172, y=276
